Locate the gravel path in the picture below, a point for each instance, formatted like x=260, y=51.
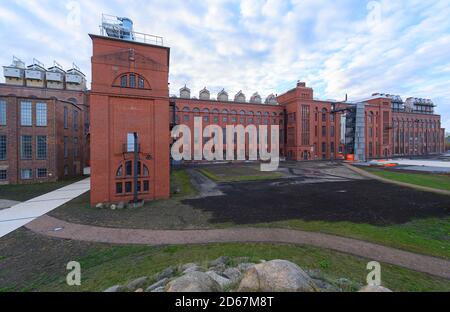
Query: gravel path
x=50, y=226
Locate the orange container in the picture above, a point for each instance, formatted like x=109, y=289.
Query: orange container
x=351, y=157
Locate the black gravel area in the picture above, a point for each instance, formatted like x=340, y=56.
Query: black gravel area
x=365, y=201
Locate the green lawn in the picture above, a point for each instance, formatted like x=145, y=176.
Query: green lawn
x=238, y=174
x=180, y=180
x=438, y=181
x=113, y=265
x=24, y=192
x=425, y=236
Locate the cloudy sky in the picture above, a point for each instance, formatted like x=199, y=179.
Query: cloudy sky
x=343, y=46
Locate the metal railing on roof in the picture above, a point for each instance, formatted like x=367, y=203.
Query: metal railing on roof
x=114, y=27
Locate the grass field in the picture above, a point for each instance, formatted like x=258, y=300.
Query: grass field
x=437, y=181
x=429, y=236
x=425, y=236
x=24, y=192
x=238, y=173
x=110, y=265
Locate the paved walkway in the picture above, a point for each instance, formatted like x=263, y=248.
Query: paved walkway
x=50, y=226
x=385, y=180
x=23, y=213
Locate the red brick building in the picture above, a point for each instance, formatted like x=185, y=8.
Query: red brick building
x=132, y=114
x=129, y=95
x=43, y=124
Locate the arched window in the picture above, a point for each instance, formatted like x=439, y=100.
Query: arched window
x=206, y=111
x=242, y=112
x=132, y=80
x=119, y=172
x=186, y=110
x=258, y=113
x=196, y=110
x=225, y=111
x=233, y=112
x=250, y=113
x=215, y=111
x=266, y=114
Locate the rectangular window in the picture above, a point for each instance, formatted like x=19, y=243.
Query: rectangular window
x=66, y=147
x=41, y=173
x=26, y=174
x=66, y=118
x=332, y=131
x=3, y=175
x=119, y=188
x=186, y=117
x=225, y=119
x=66, y=170
x=132, y=81
x=26, y=118
x=41, y=114
x=128, y=187
x=216, y=119
x=26, y=149
x=324, y=131
x=75, y=147
x=3, y=147
x=139, y=186
x=206, y=118
x=75, y=120
x=2, y=113
x=41, y=147
x=146, y=186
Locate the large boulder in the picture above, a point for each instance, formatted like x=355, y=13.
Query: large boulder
x=233, y=274
x=223, y=281
x=194, y=282
x=276, y=276
x=370, y=288
x=157, y=285
x=138, y=283
x=167, y=273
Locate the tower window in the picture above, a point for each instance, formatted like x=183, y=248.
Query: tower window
x=123, y=81
x=132, y=81
x=141, y=83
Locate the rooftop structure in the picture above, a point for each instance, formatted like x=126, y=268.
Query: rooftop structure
x=122, y=28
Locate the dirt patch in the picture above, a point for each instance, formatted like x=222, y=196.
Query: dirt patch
x=364, y=201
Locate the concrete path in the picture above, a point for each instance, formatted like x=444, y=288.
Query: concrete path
x=50, y=226
x=385, y=180
x=23, y=213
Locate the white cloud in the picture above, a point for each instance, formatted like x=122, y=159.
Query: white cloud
x=260, y=45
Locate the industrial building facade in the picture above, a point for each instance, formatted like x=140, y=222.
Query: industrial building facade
x=122, y=126
x=44, y=117
x=130, y=101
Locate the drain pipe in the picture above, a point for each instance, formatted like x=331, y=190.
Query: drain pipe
x=136, y=164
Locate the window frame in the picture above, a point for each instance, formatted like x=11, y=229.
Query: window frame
x=38, y=146
x=41, y=114
x=3, y=113
x=23, y=148
x=25, y=114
